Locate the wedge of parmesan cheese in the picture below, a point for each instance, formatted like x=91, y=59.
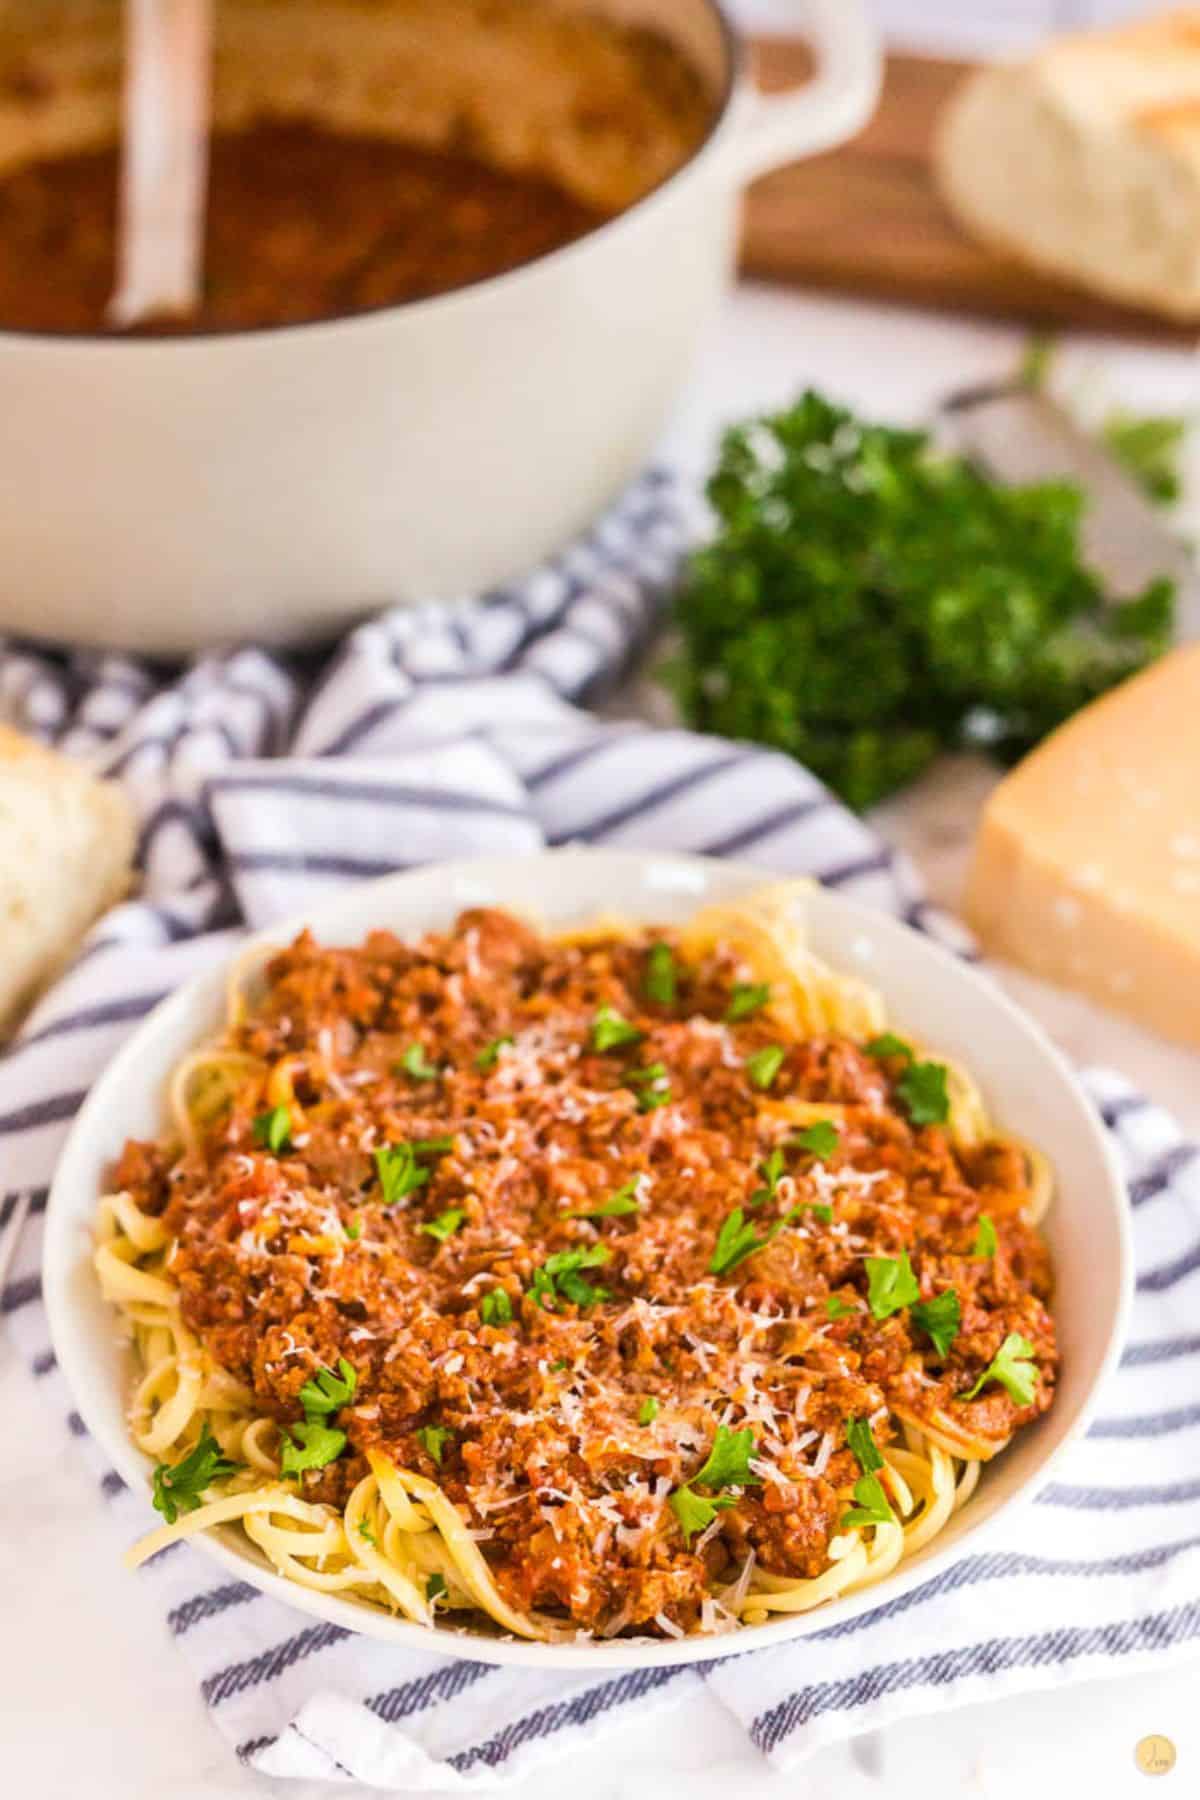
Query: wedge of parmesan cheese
x=1086, y=870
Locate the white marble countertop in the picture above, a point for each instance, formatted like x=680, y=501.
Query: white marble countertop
x=94, y=1700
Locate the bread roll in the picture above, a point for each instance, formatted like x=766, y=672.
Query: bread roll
x=66, y=853
x=1085, y=161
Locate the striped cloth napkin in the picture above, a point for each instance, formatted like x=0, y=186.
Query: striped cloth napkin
x=262, y=783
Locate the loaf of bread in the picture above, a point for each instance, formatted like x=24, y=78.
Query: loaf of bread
x=66, y=853
x=1085, y=161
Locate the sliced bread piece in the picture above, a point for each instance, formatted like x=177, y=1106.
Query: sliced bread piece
x=66, y=853
x=1085, y=161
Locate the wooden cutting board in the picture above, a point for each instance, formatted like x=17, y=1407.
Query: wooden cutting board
x=867, y=218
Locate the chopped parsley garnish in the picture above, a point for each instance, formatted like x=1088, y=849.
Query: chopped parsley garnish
x=727, y=1465
x=433, y=1440
x=870, y=1504
x=180, y=1487
x=323, y=1393
x=837, y=1308
x=737, y=1239
x=610, y=1030
x=922, y=1088
x=354, y=1230
x=694, y=1512
x=312, y=1445
x=772, y=1173
x=728, y=1460
x=413, y=1064
x=820, y=1209
x=747, y=998
x=445, y=1225
x=435, y=1587
x=940, y=1319
x=764, y=1065
x=309, y=1446
x=1013, y=1367
x=273, y=1130
x=648, y=1411
x=861, y=1440
x=489, y=1056
x=820, y=1139
x=496, y=1308
x=662, y=978
x=625, y=1200
x=867, y=601
x=891, y=1285
x=559, y=1277
x=364, y=1531
x=985, y=1238
x=652, y=1085
x=400, y=1174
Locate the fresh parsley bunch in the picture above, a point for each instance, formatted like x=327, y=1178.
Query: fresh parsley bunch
x=867, y=601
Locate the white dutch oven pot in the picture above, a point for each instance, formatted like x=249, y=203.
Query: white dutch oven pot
x=163, y=495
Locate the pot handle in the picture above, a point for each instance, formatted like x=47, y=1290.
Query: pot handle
x=781, y=128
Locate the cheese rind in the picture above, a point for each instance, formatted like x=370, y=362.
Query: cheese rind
x=1086, y=869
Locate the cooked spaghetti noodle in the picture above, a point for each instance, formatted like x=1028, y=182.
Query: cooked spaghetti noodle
x=636, y=1282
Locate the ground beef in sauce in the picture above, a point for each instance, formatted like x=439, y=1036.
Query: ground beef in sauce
x=302, y=224
x=547, y=1453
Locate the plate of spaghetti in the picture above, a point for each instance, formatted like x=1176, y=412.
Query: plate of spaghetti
x=586, y=1258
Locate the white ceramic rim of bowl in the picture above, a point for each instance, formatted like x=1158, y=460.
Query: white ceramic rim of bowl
x=648, y=886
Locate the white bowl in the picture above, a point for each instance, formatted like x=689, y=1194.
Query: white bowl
x=946, y=1004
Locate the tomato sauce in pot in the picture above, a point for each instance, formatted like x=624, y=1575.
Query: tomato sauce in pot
x=303, y=223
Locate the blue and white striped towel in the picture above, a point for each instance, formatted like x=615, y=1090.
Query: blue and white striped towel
x=261, y=783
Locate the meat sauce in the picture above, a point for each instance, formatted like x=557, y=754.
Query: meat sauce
x=288, y=1261
x=303, y=224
